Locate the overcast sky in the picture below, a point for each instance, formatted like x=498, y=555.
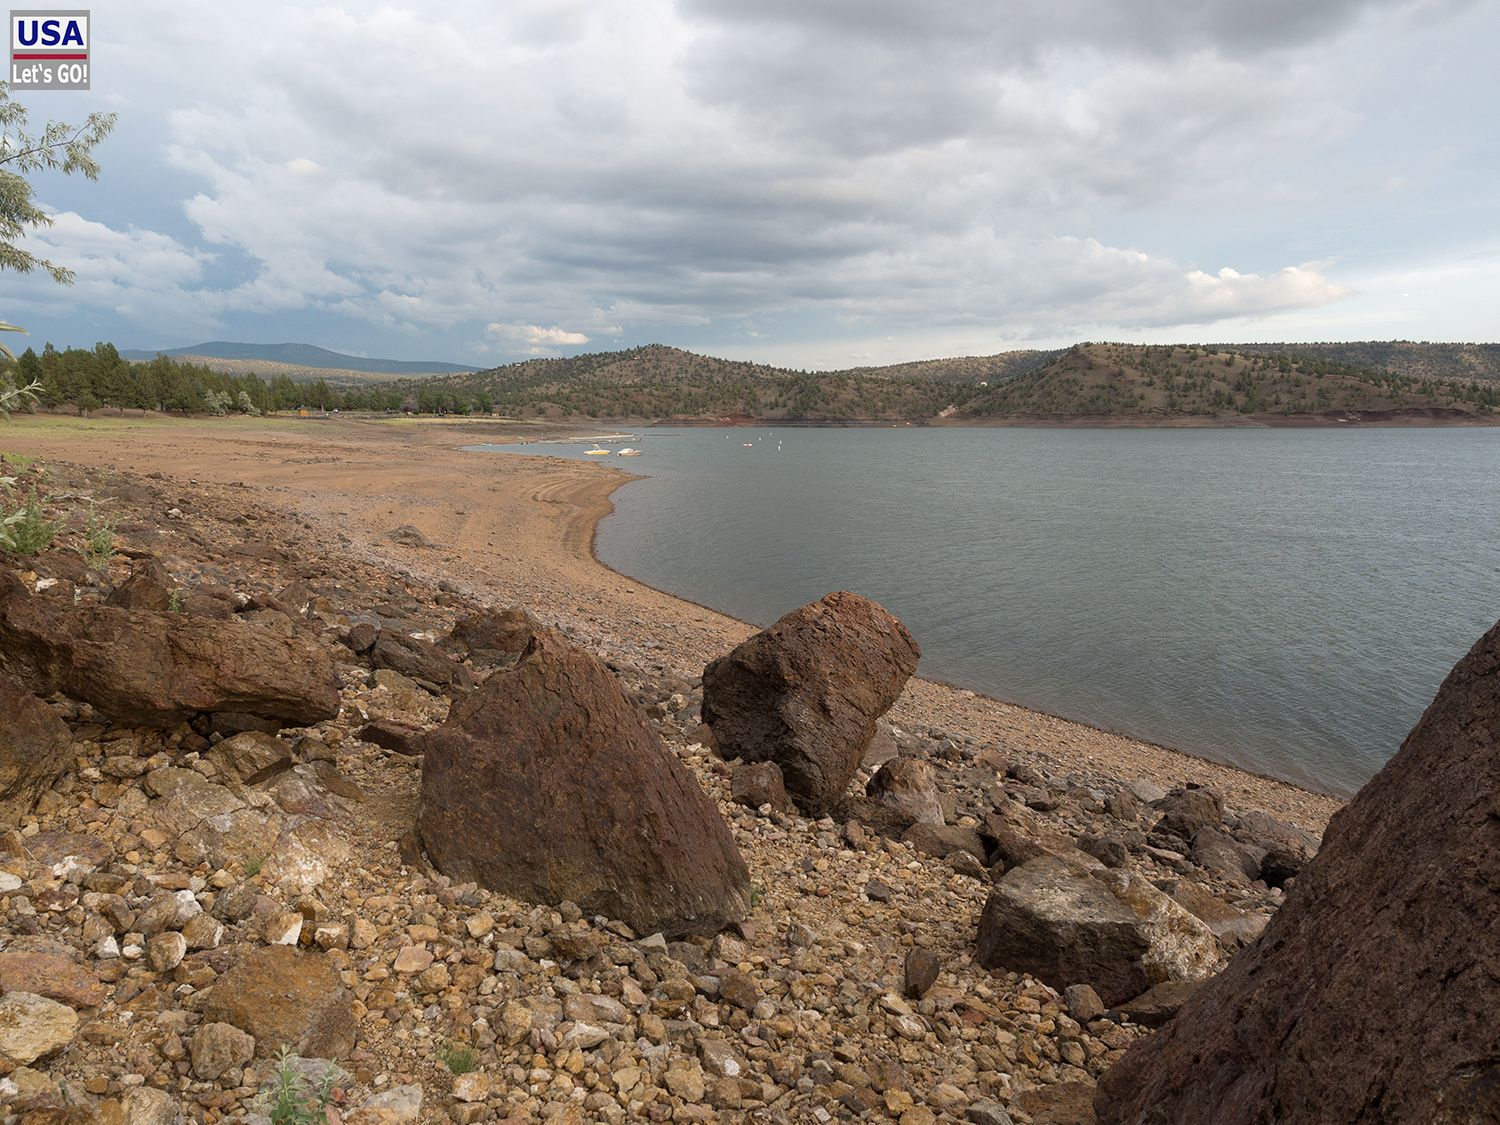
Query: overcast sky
x=815, y=183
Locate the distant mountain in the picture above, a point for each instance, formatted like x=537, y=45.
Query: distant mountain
x=1401, y=357
x=305, y=356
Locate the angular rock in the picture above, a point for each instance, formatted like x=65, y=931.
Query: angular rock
x=280, y=996
x=1067, y=924
x=33, y=1027
x=921, y=972
x=420, y=660
x=942, y=840
x=53, y=975
x=33, y=750
x=806, y=693
x=1016, y=835
x=250, y=757
x=391, y=735
x=217, y=1047
x=492, y=637
x=759, y=783
x=1159, y=1003
x=547, y=784
x=148, y=587
x=1185, y=811
x=155, y=669
x=907, y=785
x=1220, y=854
x=1232, y=926
x=1372, y=994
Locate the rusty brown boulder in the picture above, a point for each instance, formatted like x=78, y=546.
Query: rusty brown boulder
x=285, y=997
x=1372, y=994
x=546, y=783
x=490, y=637
x=148, y=668
x=33, y=750
x=806, y=692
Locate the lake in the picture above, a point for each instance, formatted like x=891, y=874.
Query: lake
x=1284, y=600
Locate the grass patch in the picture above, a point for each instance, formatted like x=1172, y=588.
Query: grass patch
x=98, y=541
x=458, y=1058
x=26, y=530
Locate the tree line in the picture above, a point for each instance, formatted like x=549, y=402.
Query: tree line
x=99, y=377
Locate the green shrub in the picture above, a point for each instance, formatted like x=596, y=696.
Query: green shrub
x=292, y=1103
x=27, y=530
x=458, y=1058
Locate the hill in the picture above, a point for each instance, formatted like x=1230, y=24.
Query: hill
x=304, y=357
x=1400, y=357
x=1155, y=383
x=660, y=382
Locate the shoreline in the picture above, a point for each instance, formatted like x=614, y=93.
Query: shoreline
x=522, y=532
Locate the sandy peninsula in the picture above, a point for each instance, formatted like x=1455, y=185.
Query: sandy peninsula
x=519, y=530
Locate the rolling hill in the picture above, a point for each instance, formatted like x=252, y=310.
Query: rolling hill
x=289, y=359
x=1097, y=383
x=1155, y=383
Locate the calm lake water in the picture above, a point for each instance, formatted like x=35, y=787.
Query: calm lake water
x=1285, y=600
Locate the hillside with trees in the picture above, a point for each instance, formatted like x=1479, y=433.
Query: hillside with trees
x=1136, y=382
x=1089, y=383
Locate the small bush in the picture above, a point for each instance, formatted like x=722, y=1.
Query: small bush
x=98, y=541
x=27, y=530
x=458, y=1058
x=292, y=1103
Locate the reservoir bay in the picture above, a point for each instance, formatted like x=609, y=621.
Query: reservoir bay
x=1285, y=600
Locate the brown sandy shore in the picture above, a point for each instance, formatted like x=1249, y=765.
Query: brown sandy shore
x=519, y=529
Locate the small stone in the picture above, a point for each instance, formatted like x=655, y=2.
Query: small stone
x=400, y=1105
x=479, y=925
x=1083, y=1002
x=218, y=1047
x=283, y=929
x=165, y=951
x=203, y=931
x=472, y=1087
x=585, y=1036
x=413, y=959
x=685, y=1079
x=739, y=989
x=987, y=1113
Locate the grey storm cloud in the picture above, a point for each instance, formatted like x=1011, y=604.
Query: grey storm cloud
x=546, y=174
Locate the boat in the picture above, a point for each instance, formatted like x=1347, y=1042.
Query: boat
x=748, y=444
x=628, y=452
x=596, y=451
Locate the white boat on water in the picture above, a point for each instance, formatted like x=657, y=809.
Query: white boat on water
x=596, y=451
x=628, y=452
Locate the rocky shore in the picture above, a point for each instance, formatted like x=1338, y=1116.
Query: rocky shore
x=243, y=795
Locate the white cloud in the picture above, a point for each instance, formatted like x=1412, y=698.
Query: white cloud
x=851, y=166
x=534, y=335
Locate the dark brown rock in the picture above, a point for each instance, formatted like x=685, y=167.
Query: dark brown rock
x=547, y=784
x=148, y=587
x=1014, y=835
x=491, y=637
x=806, y=693
x=421, y=661
x=907, y=785
x=1372, y=994
x=155, y=669
x=759, y=783
x=1159, y=1003
x=921, y=972
x=391, y=735
x=941, y=840
x=33, y=750
x=282, y=996
x=1186, y=811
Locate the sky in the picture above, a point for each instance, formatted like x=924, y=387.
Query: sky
x=811, y=183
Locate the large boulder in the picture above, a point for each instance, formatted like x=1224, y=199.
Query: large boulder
x=547, y=784
x=806, y=693
x=1372, y=995
x=155, y=669
x=281, y=996
x=33, y=750
x=1066, y=922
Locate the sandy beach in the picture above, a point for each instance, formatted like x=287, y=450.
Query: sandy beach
x=519, y=530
